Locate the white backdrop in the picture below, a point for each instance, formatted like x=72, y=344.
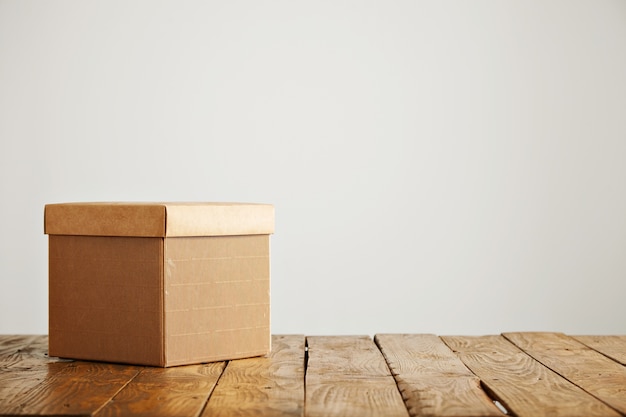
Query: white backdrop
x=455, y=167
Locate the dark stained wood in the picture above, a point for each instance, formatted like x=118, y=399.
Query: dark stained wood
x=348, y=376
x=523, y=385
x=23, y=351
x=612, y=346
x=531, y=374
x=266, y=386
x=583, y=366
x=432, y=379
x=23, y=365
x=33, y=383
x=61, y=388
x=179, y=391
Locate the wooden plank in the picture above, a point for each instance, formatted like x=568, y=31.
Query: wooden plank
x=61, y=388
x=24, y=351
x=612, y=346
x=592, y=371
x=23, y=362
x=31, y=383
x=520, y=383
x=345, y=376
x=11, y=344
x=348, y=376
x=432, y=379
x=178, y=391
x=266, y=386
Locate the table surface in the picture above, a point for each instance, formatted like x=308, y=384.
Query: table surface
x=522, y=374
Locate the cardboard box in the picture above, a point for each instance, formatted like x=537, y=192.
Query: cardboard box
x=159, y=284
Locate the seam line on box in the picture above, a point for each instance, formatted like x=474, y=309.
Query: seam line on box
x=180, y=310
x=241, y=328
x=238, y=281
x=199, y=284
x=217, y=258
x=234, y=329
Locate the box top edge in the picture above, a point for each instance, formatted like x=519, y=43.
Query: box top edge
x=156, y=203
x=163, y=219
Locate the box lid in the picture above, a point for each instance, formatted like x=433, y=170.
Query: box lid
x=158, y=219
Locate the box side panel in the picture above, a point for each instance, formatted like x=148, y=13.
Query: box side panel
x=217, y=298
x=105, y=298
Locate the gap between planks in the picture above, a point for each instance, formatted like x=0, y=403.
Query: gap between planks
x=334, y=375
x=348, y=376
x=597, y=374
x=432, y=379
x=272, y=385
x=524, y=385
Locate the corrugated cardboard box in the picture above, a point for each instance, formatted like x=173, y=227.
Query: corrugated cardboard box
x=159, y=284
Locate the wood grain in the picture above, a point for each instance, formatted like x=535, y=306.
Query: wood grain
x=532, y=374
x=583, y=366
x=32, y=383
x=23, y=352
x=266, y=386
x=521, y=384
x=432, y=379
x=10, y=344
x=348, y=376
x=62, y=388
x=612, y=346
x=179, y=391
x=23, y=365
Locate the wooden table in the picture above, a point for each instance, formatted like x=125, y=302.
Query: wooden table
x=522, y=374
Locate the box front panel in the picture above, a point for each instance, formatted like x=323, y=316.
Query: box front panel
x=105, y=298
x=217, y=298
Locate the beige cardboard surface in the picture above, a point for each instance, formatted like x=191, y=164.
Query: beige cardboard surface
x=105, y=219
x=105, y=298
x=217, y=292
x=219, y=219
x=158, y=219
x=159, y=301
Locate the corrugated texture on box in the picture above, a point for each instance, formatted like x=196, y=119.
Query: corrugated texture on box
x=191, y=290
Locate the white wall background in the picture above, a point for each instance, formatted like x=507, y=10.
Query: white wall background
x=455, y=167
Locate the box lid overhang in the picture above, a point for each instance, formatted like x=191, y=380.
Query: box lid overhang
x=158, y=219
